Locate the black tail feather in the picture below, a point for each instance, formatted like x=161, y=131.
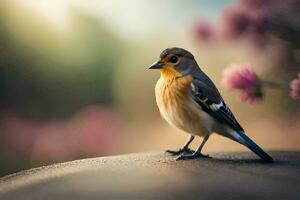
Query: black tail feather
x=244, y=139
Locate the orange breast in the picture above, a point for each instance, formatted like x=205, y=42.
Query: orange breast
x=173, y=91
x=174, y=99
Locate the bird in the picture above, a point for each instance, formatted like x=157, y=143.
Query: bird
x=189, y=100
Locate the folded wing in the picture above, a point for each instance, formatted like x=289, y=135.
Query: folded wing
x=211, y=102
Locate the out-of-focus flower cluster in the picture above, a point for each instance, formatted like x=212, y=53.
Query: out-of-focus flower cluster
x=295, y=88
x=243, y=78
x=204, y=30
x=255, y=20
x=261, y=22
x=91, y=132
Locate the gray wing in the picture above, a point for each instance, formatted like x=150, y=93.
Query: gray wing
x=210, y=100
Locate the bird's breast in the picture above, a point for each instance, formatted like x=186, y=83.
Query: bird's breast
x=176, y=105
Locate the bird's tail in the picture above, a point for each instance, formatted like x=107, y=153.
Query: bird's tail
x=245, y=140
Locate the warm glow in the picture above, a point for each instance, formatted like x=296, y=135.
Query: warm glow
x=53, y=11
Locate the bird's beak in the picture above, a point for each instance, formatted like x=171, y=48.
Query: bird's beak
x=157, y=65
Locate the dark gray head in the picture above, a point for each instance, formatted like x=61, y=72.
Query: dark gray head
x=176, y=51
x=178, y=60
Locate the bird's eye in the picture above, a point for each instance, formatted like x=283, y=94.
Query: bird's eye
x=173, y=59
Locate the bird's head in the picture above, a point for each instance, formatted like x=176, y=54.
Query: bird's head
x=175, y=62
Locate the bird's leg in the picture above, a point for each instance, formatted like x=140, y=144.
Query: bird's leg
x=184, y=149
x=197, y=153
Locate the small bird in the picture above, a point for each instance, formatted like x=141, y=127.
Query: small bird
x=189, y=100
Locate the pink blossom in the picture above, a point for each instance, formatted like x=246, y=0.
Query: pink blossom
x=234, y=22
x=243, y=78
x=91, y=132
x=295, y=88
x=204, y=30
x=254, y=4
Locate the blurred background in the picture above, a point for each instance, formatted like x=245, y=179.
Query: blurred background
x=74, y=84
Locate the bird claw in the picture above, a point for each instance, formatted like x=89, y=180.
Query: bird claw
x=192, y=156
x=180, y=151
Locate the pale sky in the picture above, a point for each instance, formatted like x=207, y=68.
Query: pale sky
x=127, y=17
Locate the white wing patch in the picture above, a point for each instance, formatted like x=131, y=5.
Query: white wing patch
x=216, y=106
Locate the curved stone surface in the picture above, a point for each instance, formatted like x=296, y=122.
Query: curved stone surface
x=159, y=176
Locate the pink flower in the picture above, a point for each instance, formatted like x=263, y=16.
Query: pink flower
x=234, y=22
x=91, y=132
x=245, y=19
x=254, y=4
x=243, y=78
x=295, y=88
x=204, y=30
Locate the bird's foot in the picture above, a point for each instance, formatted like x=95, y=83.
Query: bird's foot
x=180, y=151
x=192, y=156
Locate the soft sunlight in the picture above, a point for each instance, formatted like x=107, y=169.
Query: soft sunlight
x=55, y=12
x=119, y=15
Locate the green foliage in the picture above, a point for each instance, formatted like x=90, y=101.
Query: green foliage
x=45, y=72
